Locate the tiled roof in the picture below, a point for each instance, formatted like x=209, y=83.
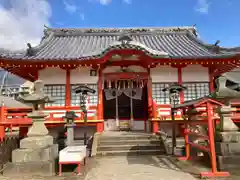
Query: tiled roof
x=10, y=79
x=69, y=44
x=9, y=102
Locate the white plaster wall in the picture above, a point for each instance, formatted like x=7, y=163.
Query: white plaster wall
x=118, y=69
x=81, y=75
x=52, y=75
x=195, y=73
x=164, y=74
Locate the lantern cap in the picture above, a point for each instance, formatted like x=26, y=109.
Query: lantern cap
x=83, y=89
x=174, y=88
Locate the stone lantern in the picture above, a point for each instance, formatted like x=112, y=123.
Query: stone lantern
x=228, y=138
x=174, y=91
x=37, y=153
x=225, y=95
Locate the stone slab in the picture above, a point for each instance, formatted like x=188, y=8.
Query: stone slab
x=228, y=137
x=36, y=142
x=72, y=154
x=35, y=155
x=44, y=168
x=227, y=148
x=228, y=162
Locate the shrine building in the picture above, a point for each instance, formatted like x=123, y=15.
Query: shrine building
x=128, y=68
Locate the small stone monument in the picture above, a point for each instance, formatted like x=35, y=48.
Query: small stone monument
x=37, y=153
x=228, y=138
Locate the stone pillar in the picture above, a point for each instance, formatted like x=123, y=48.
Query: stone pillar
x=70, y=134
x=227, y=141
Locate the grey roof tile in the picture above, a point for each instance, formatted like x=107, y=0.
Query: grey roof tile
x=9, y=102
x=67, y=44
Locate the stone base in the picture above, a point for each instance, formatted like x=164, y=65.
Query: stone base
x=34, y=155
x=228, y=162
x=44, y=168
x=36, y=142
x=227, y=148
x=228, y=136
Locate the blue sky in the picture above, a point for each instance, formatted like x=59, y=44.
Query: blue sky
x=214, y=19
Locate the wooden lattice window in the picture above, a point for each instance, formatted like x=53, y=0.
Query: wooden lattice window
x=58, y=92
x=196, y=90
x=158, y=95
x=92, y=98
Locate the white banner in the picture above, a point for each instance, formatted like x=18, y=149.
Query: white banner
x=134, y=93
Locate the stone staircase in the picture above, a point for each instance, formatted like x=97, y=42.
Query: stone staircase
x=129, y=144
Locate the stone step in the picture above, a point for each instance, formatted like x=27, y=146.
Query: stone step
x=129, y=137
x=131, y=152
x=129, y=142
x=129, y=147
x=180, y=142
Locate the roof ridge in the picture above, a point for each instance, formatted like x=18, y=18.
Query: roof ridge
x=68, y=31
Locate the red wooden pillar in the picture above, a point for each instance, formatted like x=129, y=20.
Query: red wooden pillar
x=211, y=80
x=68, y=89
x=2, y=118
x=152, y=109
x=100, y=125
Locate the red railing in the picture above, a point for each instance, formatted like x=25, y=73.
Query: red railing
x=189, y=115
x=17, y=117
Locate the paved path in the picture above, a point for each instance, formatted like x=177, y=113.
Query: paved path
x=129, y=168
x=136, y=168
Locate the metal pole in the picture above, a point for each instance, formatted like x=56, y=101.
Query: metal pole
x=173, y=131
x=117, y=118
x=173, y=99
x=131, y=115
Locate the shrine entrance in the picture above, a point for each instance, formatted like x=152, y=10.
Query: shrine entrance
x=124, y=101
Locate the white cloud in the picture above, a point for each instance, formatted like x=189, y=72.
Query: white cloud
x=127, y=1
x=70, y=7
x=203, y=6
x=22, y=21
x=107, y=2
x=82, y=16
